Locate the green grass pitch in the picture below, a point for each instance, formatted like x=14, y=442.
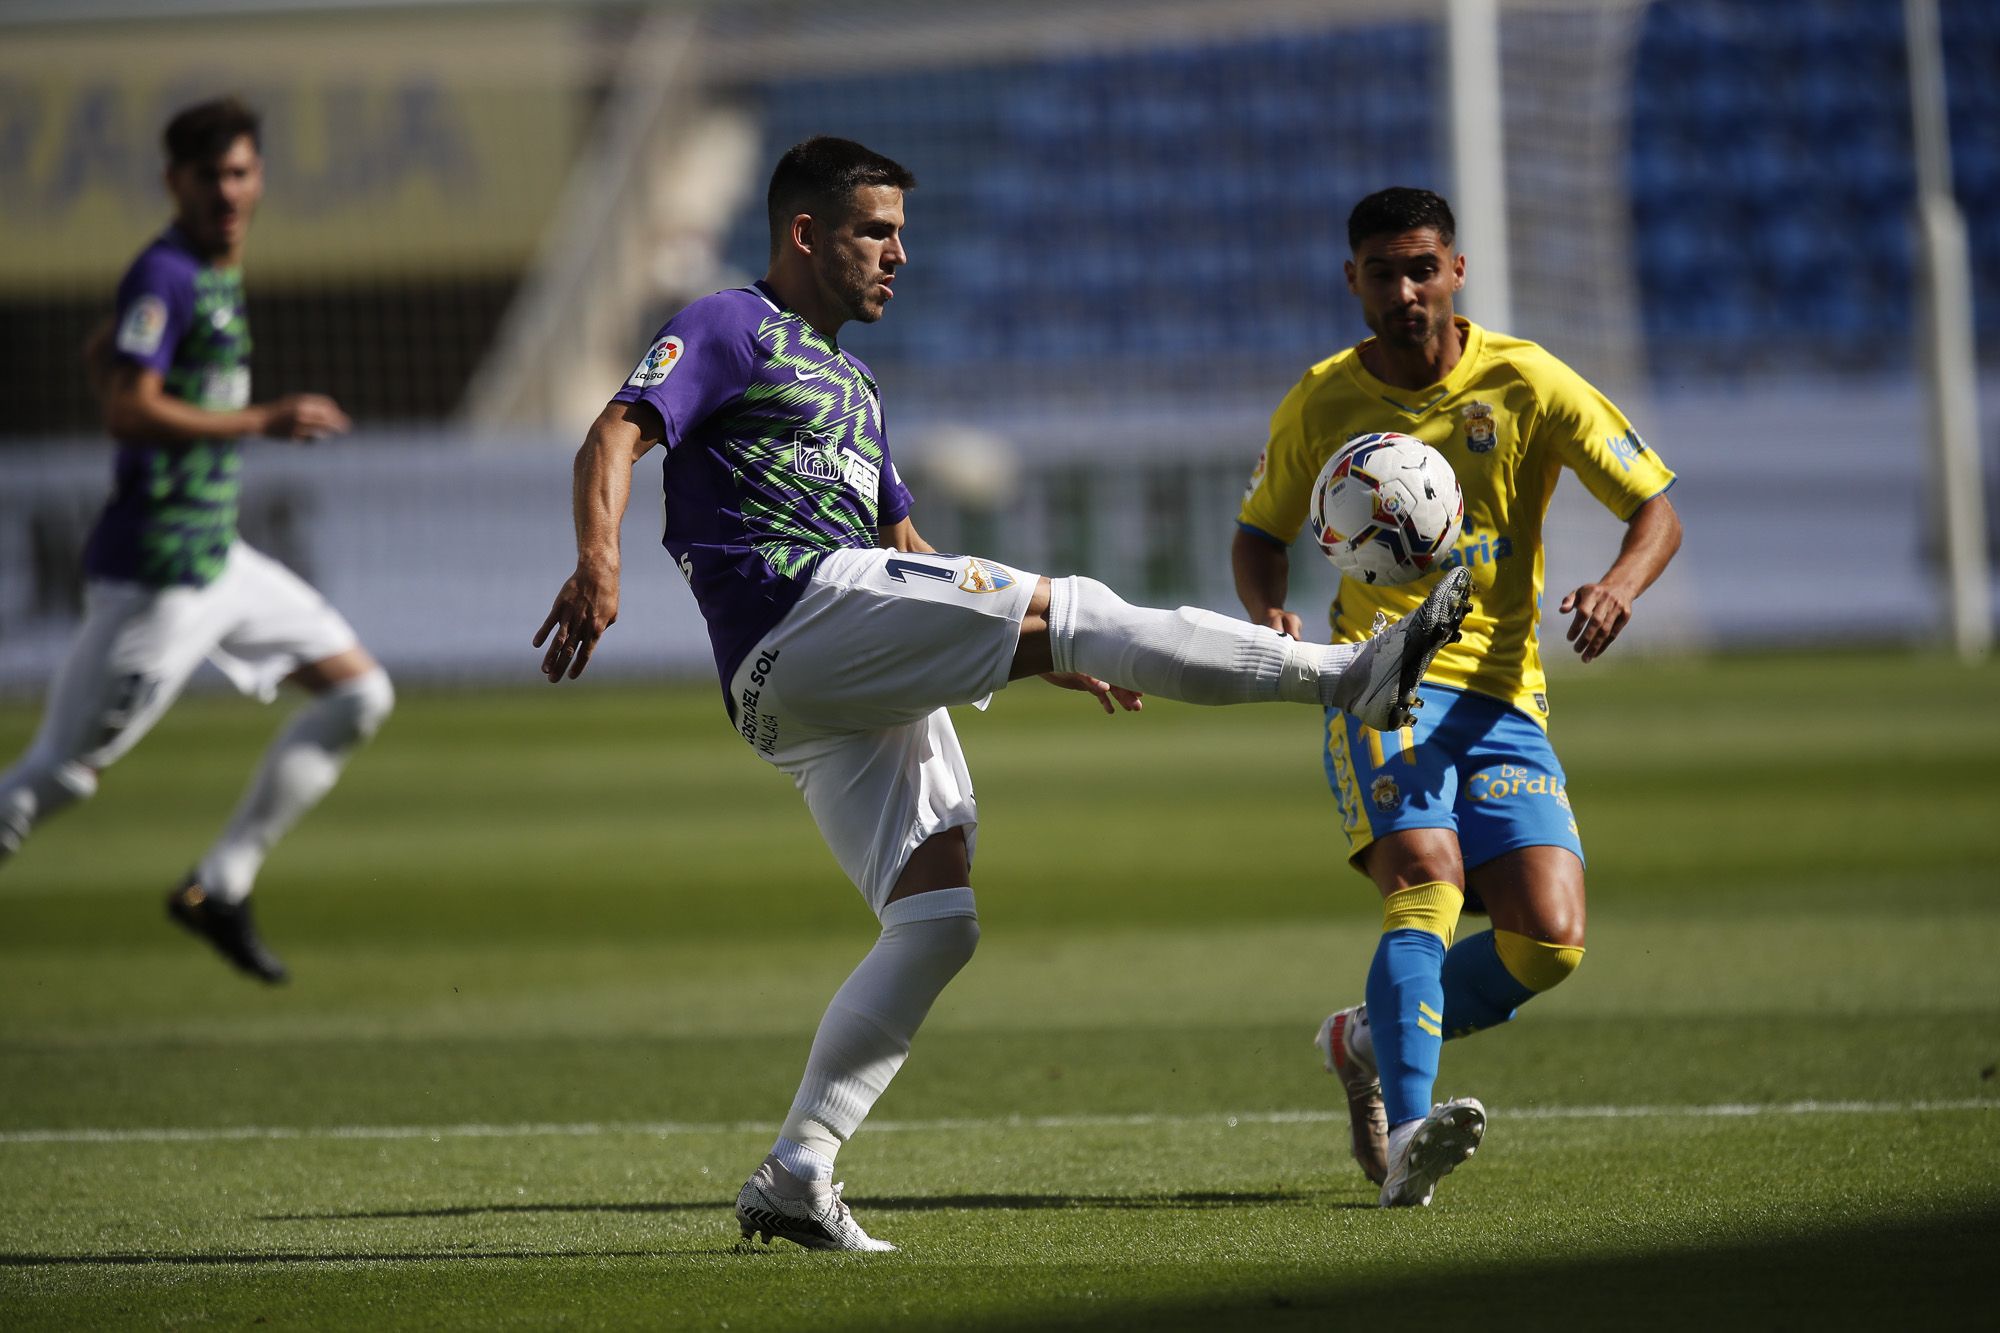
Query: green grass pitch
x=558, y=955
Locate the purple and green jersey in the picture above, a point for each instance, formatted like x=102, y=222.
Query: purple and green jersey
x=775, y=456
x=171, y=518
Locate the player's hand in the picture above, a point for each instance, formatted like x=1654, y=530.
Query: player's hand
x=1602, y=610
x=585, y=608
x=304, y=417
x=1286, y=623
x=1109, y=697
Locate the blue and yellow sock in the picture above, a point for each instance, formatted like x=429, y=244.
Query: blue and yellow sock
x=1406, y=1004
x=1488, y=976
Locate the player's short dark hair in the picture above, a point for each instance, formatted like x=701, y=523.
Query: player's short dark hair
x=1399, y=209
x=820, y=177
x=204, y=131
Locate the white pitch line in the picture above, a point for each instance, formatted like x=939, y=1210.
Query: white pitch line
x=675, y=1128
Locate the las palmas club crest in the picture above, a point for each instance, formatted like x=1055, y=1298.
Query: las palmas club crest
x=985, y=576
x=1481, y=432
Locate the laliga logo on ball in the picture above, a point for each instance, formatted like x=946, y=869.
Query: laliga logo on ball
x=1386, y=508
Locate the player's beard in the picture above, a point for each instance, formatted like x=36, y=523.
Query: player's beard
x=866, y=308
x=854, y=287
x=1393, y=329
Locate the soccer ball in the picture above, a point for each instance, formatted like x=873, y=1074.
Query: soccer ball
x=1386, y=508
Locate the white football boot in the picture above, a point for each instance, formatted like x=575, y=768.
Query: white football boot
x=1368, y=1122
x=1379, y=687
x=1423, y=1152
x=776, y=1203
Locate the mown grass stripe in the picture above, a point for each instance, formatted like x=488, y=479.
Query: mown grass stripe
x=672, y=1128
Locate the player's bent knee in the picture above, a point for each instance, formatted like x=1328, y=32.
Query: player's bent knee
x=1093, y=596
x=365, y=702
x=1536, y=964
x=942, y=926
x=1080, y=606
x=953, y=940
x=379, y=700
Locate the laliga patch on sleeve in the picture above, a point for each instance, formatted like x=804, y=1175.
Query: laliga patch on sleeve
x=658, y=363
x=144, y=325
x=1257, y=473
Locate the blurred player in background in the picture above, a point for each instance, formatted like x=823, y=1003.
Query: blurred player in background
x=1465, y=807
x=841, y=636
x=169, y=581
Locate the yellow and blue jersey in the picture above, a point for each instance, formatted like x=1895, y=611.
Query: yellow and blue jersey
x=1508, y=418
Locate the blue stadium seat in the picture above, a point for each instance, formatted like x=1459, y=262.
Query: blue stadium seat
x=1138, y=205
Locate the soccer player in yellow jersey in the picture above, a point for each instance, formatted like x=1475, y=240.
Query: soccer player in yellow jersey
x=1466, y=806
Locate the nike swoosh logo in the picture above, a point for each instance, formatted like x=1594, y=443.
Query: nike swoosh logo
x=810, y=374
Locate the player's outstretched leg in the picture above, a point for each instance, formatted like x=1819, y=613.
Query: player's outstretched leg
x=861, y=1043
x=226, y=926
x=1200, y=657
x=1423, y=1152
x=1347, y=1050
x=1380, y=686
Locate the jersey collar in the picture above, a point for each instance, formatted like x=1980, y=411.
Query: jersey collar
x=1416, y=402
x=770, y=294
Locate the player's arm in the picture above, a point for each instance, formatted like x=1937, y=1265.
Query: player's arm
x=600, y=487
x=1596, y=441
x=1604, y=608
x=137, y=406
x=1263, y=572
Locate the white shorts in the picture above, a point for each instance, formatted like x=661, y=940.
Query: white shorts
x=257, y=622
x=847, y=696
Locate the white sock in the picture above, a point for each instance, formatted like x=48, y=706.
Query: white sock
x=35, y=788
x=1360, y=1036
x=1192, y=655
x=865, y=1035
x=301, y=766
x=802, y=1161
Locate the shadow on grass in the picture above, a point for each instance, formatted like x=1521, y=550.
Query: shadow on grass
x=253, y=1258
x=928, y=1203
x=1923, y=1273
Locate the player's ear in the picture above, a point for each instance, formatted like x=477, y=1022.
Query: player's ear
x=1458, y=271
x=1347, y=266
x=803, y=235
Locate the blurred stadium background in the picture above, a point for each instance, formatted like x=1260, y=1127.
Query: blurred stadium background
x=1127, y=244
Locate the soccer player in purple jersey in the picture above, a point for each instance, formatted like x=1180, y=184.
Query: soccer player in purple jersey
x=841, y=636
x=169, y=580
